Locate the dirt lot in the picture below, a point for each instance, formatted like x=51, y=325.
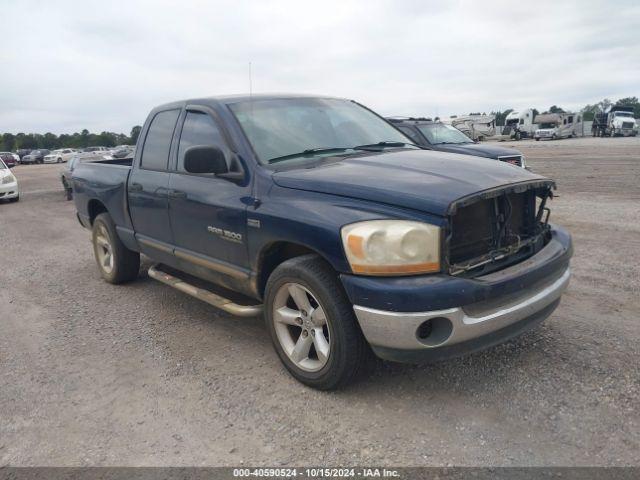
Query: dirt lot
x=95, y=374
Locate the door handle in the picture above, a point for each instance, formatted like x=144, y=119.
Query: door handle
x=177, y=194
x=135, y=187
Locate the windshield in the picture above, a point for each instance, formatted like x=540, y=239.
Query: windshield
x=439, y=133
x=547, y=125
x=297, y=126
x=2, y=165
x=623, y=114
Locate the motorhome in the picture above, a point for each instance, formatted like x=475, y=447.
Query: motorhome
x=617, y=121
x=558, y=125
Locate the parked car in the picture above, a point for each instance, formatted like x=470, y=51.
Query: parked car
x=96, y=150
x=60, y=155
x=445, y=138
x=36, y=156
x=322, y=216
x=122, y=151
x=9, y=159
x=22, y=152
x=8, y=184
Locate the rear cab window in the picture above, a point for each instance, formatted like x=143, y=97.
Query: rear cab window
x=157, y=144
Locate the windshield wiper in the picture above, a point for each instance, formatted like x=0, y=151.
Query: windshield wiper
x=308, y=151
x=372, y=146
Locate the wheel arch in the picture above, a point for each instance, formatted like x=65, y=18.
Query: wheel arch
x=94, y=208
x=274, y=254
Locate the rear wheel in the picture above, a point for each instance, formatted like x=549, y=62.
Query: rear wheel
x=117, y=264
x=312, y=324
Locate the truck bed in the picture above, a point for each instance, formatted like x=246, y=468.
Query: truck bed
x=106, y=182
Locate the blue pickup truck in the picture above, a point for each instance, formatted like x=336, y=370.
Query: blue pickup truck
x=323, y=217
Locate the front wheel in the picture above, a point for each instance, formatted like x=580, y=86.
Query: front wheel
x=312, y=324
x=117, y=264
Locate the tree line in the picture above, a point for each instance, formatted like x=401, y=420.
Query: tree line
x=11, y=142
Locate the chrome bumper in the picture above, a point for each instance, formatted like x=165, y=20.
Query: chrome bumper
x=401, y=330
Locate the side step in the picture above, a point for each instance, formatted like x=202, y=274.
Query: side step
x=205, y=295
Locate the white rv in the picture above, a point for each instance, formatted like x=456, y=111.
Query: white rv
x=476, y=127
x=519, y=124
x=558, y=125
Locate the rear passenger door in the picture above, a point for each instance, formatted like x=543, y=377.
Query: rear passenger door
x=148, y=184
x=208, y=217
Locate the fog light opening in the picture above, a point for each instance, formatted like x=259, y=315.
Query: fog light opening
x=434, y=331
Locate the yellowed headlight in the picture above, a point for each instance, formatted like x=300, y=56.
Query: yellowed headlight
x=392, y=247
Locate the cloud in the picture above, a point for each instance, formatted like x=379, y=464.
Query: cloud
x=70, y=65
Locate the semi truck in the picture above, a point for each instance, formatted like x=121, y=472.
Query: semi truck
x=321, y=216
x=617, y=121
x=519, y=124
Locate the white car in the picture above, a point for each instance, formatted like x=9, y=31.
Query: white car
x=8, y=184
x=59, y=156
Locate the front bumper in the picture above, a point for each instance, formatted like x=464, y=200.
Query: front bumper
x=469, y=314
x=9, y=190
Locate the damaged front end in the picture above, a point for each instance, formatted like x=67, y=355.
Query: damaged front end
x=497, y=228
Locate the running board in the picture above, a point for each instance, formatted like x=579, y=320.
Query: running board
x=205, y=295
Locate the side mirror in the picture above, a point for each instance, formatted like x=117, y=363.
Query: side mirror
x=12, y=165
x=205, y=159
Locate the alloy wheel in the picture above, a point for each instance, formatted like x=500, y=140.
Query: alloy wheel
x=301, y=327
x=104, y=249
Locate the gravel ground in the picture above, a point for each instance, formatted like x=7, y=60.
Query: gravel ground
x=96, y=374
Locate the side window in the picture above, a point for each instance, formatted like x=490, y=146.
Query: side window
x=571, y=119
x=155, y=153
x=411, y=134
x=199, y=129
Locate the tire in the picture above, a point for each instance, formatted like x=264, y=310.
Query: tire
x=59, y=160
x=537, y=139
x=68, y=192
x=117, y=264
x=518, y=136
x=613, y=133
x=14, y=200
x=346, y=351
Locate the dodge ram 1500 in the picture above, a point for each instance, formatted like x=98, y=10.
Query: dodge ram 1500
x=326, y=219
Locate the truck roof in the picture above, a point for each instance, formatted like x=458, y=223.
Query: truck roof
x=245, y=97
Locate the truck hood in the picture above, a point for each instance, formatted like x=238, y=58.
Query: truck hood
x=479, y=150
x=422, y=180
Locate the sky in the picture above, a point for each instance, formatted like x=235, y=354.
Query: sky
x=102, y=65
